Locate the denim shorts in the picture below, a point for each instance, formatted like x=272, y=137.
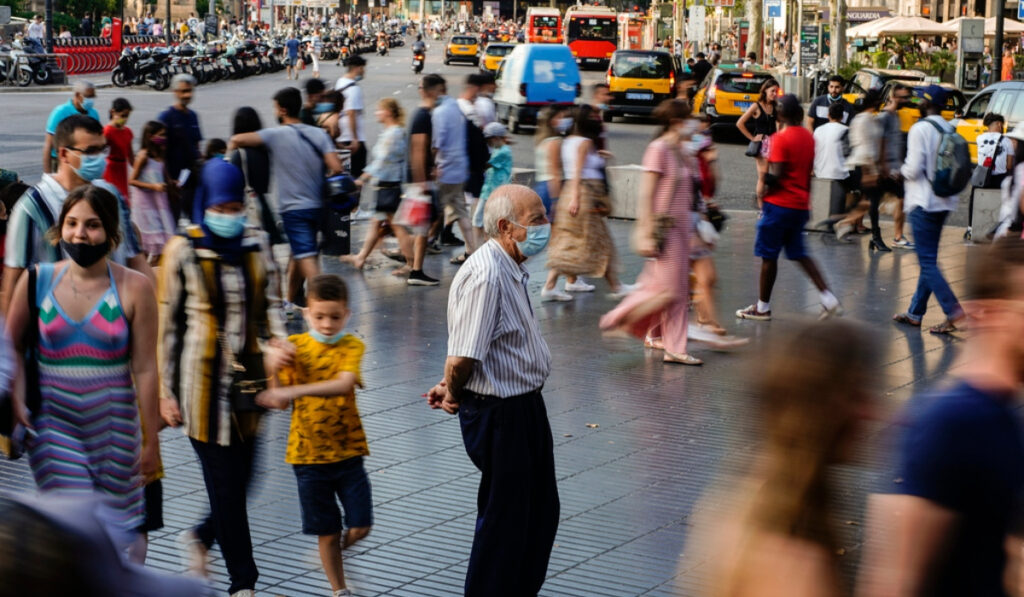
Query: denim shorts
x=301, y=226
x=318, y=486
x=781, y=228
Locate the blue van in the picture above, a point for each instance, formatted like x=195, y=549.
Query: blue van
x=531, y=77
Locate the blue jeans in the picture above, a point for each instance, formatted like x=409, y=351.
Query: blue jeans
x=927, y=227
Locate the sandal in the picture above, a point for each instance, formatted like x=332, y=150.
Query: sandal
x=946, y=327
x=906, y=320
x=459, y=260
x=654, y=343
x=681, y=359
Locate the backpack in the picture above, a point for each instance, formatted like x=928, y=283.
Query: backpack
x=952, y=163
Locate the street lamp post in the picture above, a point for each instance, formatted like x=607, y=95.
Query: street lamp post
x=49, y=26
x=997, y=56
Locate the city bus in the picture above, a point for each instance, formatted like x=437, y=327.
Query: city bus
x=543, y=25
x=591, y=33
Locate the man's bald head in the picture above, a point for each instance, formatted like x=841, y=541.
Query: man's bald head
x=512, y=203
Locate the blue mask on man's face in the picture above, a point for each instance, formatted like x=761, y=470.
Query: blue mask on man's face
x=536, y=239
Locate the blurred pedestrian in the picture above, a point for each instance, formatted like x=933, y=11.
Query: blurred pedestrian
x=151, y=210
x=865, y=142
x=892, y=156
x=499, y=171
x=950, y=523
x=83, y=97
x=552, y=125
x=119, y=139
x=254, y=162
x=183, y=139
x=818, y=112
x=831, y=146
x=758, y=124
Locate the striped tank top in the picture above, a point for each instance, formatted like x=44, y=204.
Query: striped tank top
x=89, y=437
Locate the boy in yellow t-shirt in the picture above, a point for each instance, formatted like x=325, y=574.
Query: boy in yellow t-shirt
x=326, y=442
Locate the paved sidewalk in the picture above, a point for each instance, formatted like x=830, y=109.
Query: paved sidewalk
x=637, y=442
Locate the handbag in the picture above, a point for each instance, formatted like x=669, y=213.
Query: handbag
x=981, y=177
x=248, y=377
x=716, y=216
x=389, y=197
x=339, y=191
x=753, y=149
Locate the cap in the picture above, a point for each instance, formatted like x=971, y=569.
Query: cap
x=94, y=523
x=495, y=129
x=789, y=102
x=935, y=94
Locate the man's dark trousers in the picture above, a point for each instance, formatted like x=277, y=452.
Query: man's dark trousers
x=509, y=440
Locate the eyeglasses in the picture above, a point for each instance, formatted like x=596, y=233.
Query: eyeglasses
x=91, y=151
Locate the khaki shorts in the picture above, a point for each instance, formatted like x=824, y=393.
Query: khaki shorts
x=452, y=198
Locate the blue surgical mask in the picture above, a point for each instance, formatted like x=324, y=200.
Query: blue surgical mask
x=87, y=104
x=329, y=340
x=92, y=167
x=697, y=141
x=602, y=107
x=536, y=239
x=225, y=225
x=358, y=78
x=323, y=107
x=563, y=126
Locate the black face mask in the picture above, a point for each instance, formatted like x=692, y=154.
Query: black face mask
x=84, y=254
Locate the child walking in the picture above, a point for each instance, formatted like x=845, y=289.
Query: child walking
x=151, y=211
x=499, y=171
x=326, y=442
x=119, y=139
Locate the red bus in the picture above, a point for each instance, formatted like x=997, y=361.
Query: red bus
x=543, y=25
x=591, y=33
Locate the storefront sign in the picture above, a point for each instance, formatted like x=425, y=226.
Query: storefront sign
x=809, y=45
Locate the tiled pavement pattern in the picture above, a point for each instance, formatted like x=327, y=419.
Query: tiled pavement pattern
x=637, y=442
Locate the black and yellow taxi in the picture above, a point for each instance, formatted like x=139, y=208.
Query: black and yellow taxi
x=639, y=80
x=727, y=93
x=462, y=48
x=911, y=113
x=869, y=78
x=1005, y=98
x=493, y=56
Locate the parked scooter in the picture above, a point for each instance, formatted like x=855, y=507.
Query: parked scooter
x=142, y=67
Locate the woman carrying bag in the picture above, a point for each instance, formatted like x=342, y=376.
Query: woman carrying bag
x=758, y=125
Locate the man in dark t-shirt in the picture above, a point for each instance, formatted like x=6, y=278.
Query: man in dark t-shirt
x=817, y=114
x=948, y=523
x=700, y=68
x=421, y=172
x=183, y=138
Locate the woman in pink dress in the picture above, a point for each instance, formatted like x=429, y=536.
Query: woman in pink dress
x=657, y=312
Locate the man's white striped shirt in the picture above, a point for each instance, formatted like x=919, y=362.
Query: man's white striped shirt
x=490, y=320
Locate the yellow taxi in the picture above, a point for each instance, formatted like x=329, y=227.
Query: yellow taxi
x=493, y=56
x=639, y=80
x=462, y=48
x=955, y=101
x=868, y=78
x=1005, y=98
x=727, y=93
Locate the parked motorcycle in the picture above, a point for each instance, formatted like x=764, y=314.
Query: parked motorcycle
x=142, y=67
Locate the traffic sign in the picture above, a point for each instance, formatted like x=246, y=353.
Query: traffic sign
x=774, y=8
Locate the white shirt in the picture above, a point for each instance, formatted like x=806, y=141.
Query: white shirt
x=919, y=169
x=865, y=140
x=485, y=110
x=469, y=110
x=491, y=321
x=36, y=30
x=987, y=143
x=829, y=161
x=353, y=102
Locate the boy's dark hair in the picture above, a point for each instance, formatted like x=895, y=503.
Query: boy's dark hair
x=314, y=86
x=993, y=117
x=327, y=287
x=65, y=134
x=214, y=147
x=837, y=79
x=836, y=111
x=290, y=99
x=120, y=105
x=356, y=61
x=433, y=81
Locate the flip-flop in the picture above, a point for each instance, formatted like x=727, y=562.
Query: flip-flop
x=906, y=320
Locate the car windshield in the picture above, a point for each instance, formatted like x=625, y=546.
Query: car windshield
x=592, y=28
x=741, y=83
x=463, y=41
x=642, y=66
x=549, y=21
x=498, y=50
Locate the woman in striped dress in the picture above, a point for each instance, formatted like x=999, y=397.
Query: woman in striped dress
x=97, y=362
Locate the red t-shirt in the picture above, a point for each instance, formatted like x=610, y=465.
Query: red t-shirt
x=119, y=140
x=793, y=147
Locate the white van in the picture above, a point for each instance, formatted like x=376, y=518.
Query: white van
x=531, y=77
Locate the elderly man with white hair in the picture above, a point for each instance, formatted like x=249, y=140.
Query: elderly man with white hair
x=183, y=138
x=82, y=97
x=497, y=365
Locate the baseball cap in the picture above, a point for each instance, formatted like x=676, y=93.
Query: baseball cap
x=94, y=531
x=495, y=129
x=935, y=94
x=789, y=102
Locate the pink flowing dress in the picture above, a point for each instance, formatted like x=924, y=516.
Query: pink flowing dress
x=659, y=307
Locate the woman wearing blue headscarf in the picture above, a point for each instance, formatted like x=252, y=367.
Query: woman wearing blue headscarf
x=218, y=299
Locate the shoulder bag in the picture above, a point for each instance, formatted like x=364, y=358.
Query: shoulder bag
x=12, y=432
x=982, y=175
x=337, y=190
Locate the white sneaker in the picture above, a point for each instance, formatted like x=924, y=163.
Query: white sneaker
x=623, y=291
x=193, y=553
x=579, y=286
x=554, y=295
x=342, y=593
x=244, y=593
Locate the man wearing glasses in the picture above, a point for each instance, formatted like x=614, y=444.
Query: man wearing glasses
x=81, y=159
x=892, y=156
